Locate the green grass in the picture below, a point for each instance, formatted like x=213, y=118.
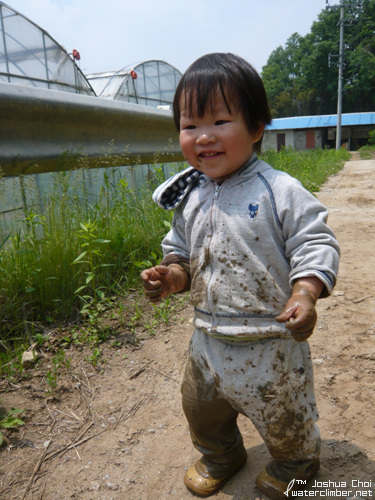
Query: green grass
x=367, y=152
x=45, y=281
x=311, y=168
x=39, y=282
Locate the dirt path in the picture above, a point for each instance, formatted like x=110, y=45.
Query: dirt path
x=119, y=433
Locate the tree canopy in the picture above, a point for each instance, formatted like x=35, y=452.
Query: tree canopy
x=302, y=77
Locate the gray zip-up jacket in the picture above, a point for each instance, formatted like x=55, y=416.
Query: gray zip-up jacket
x=247, y=240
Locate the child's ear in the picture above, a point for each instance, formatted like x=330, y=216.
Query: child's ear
x=259, y=133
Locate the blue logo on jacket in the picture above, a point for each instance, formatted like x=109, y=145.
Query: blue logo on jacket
x=253, y=210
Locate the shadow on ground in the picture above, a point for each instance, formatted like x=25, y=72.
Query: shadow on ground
x=345, y=471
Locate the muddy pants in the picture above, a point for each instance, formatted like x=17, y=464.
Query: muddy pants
x=270, y=381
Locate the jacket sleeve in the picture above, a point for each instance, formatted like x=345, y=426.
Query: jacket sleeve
x=310, y=244
x=174, y=245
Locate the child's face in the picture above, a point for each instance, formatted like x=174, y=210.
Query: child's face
x=219, y=143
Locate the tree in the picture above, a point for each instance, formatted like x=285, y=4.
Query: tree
x=302, y=78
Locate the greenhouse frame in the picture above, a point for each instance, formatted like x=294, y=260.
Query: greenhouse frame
x=30, y=56
x=151, y=83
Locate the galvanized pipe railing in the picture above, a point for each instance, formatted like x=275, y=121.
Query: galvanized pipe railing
x=45, y=130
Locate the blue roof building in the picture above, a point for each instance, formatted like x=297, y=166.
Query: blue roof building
x=308, y=132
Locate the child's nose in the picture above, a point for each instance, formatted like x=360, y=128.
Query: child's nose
x=206, y=138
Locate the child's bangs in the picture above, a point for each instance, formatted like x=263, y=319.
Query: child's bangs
x=199, y=93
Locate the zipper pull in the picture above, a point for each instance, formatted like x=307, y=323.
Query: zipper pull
x=217, y=189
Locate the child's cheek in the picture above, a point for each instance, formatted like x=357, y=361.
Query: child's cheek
x=194, y=162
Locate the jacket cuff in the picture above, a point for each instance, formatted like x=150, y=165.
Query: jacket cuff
x=173, y=258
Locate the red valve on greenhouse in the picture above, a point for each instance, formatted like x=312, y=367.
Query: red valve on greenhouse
x=76, y=54
x=133, y=74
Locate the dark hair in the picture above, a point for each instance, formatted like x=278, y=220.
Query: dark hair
x=239, y=83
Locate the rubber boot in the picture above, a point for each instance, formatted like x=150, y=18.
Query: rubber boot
x=206, y=477
x=279, y=479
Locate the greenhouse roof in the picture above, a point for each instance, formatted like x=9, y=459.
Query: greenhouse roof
x=322, y=121
x=30, y=56
x=152, y=83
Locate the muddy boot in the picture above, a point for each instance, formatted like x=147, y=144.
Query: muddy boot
x=205, y=477
x=279, y=479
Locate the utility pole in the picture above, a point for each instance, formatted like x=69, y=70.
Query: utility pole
x=342, y=4
x=341, y=65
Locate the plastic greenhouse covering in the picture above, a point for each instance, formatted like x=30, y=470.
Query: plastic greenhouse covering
x=151, y=83
x=30, y=56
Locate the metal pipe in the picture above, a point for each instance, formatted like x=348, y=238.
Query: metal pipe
x=4, y=41
x=45, y=130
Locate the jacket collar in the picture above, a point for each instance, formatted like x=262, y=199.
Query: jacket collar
x=171, y=193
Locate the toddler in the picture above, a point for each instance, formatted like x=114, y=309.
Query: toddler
x=253, y=247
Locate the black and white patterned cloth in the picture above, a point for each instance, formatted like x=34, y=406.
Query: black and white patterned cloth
x=171, y=193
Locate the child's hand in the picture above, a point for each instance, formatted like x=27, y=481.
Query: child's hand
x=161, y=281
x=299, y=314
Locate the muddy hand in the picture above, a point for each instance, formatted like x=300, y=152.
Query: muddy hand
x=161, y=281
x=154, y=282
x=299, y=316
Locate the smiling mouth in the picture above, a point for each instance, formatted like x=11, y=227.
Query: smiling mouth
x=212, y=154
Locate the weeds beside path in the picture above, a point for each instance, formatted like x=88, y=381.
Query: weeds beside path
x=69, y=260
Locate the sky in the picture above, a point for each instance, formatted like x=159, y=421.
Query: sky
x=113, y=34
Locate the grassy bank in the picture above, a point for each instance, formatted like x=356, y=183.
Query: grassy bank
x=311, y=168
x=367, y=152
x=75, y=256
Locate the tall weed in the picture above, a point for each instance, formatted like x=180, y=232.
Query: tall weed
x=38, y=279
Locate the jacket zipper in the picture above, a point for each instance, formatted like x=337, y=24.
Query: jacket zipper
x=211, y=250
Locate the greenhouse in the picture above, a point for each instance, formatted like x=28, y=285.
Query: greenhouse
x=32, y=61
x=151, y=83
x=30, y=56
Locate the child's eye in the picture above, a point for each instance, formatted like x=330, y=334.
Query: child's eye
x=221, y=122
x=189, y=127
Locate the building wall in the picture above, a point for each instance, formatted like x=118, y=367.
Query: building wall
x=270, y=139
x=297, y=139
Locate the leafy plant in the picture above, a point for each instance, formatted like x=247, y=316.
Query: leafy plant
x=136, y=317
x=152, y=261
x=90, y=256
x=11, y=362
x=93, y=358
x=10, y=420
x=52, y=377
x=151, y=326
x=167, y=309
x=40, y=339
x=59, y=362
x=164, y=311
